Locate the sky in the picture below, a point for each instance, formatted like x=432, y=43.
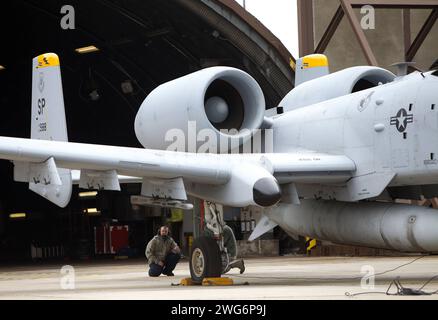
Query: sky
x=279, y=16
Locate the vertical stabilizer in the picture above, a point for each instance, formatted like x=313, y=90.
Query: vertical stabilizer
x=311, y=67
x=48, y=114
x=48, y=123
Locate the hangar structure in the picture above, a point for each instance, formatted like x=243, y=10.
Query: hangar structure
x=401, y=30
x=118, y=52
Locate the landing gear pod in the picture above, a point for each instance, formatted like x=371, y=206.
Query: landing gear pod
x=205, y=259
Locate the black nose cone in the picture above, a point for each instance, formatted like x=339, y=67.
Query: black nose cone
x=266, y=192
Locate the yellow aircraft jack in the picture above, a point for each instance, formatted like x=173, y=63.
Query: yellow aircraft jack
x=208, y=282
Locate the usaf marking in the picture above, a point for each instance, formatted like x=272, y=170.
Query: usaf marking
x=401, y=120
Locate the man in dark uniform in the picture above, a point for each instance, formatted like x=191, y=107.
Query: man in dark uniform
x=162, y=253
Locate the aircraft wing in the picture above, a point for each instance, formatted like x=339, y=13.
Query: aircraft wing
x=47, y=159
x=230, y=179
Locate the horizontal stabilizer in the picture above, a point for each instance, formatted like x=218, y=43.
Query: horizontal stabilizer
x=263, y=226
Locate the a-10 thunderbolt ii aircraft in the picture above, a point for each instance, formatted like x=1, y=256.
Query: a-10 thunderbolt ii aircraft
x=345, y=146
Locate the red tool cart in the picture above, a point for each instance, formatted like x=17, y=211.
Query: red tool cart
x=110, y=239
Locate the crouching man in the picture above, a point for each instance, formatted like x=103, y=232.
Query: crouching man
x=162, y=253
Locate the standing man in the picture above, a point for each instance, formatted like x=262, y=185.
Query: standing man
x=162, y=253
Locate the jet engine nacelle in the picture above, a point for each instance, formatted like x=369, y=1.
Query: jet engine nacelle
x=335, y=85
x=217, y=98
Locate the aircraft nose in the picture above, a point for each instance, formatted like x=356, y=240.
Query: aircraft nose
x=266, y=192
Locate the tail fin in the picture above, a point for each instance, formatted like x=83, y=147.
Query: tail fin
x=48, y=114
x=48, y=123
x=311, y=67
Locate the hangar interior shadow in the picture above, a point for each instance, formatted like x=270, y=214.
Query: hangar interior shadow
x=141, y=43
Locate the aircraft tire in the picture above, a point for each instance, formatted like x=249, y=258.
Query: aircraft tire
x=205, y=259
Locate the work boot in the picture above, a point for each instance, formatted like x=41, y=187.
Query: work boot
x=239, y=264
